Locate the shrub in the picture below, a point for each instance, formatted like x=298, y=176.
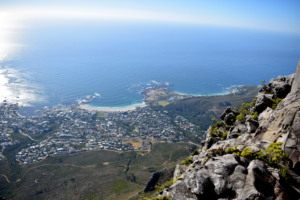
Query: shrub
x=214, y=131
x=234, y=150
x=285, y=173
x=275, y=103
x=195, y=152
x=247, y=153
x=241, y=117
x=255, y=116
x=187, y=161
x=245, y=109
x=273, y=154
x=224, y=135
x=217, y=125
x=156, y=198
x=167, y=184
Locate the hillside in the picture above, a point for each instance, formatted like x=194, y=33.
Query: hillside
x=96, y=174
x=253, y=153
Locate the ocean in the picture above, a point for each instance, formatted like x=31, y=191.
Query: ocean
x=62, y=62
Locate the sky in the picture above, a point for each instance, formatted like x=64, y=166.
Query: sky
x=274, y=15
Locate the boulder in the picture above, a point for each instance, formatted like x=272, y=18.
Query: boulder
x=289, y=79
x=252, y=125
x=229, y=116
x=280, y=89
x=262, y=103
x=226, y=112
x=228, y=177
x=245, y=137
x=237, y=129
x=260, y=183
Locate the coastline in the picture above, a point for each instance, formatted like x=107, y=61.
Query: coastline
x=200, y=95
x=111, y=109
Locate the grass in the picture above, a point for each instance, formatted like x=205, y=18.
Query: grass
x=134, y=143
x=120, y=185
x=100, y=114
x=164, y=103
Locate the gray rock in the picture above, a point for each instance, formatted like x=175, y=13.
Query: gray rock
x=252, y=125
x=262, y=103
x=179, y=169
x=289, y=79
x=226, y=112
x=281, y=78
x=229, y=116
x=274, y=124
x=296, y=82
x=280, y=89
x=245, y=137
x=257, y=182
x=236, y=130
x=292, y=144
x=265, y=115
x=228, y=177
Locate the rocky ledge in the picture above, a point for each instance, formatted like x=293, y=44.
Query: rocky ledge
x=253, y=153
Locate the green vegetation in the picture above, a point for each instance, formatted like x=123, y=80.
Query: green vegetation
x=275, y=103
x=234, y=150
x=165, y=185
x=273, y=154
x=188, y=161
x=241, y=117
x=195, y=152
x=247, y=153
x=91, y=196
x=255, y=116
x=156, y=198
x=164, y=103
x=285, y=173
x=200, y=110
x=82, y=173
x=224, y=135
x=120, y=185
x=100, y=114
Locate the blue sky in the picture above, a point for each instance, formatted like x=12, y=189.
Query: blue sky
x=279, y=15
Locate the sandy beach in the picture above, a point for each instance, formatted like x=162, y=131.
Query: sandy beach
x=108, y=109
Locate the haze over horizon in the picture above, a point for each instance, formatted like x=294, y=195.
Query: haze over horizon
x=268, y=15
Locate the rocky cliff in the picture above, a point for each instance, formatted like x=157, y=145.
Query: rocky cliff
x=253, y=153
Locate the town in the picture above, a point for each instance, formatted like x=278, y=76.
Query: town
x=68, y=130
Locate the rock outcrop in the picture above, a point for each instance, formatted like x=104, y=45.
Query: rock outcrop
x=227, y=177
x=236, y=167
x=296, y=81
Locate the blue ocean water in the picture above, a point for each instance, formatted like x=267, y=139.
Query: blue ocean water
x=64, y=61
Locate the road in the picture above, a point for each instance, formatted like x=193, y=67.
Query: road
x=27, y=135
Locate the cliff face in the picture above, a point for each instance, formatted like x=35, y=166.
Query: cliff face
x=254, y=153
